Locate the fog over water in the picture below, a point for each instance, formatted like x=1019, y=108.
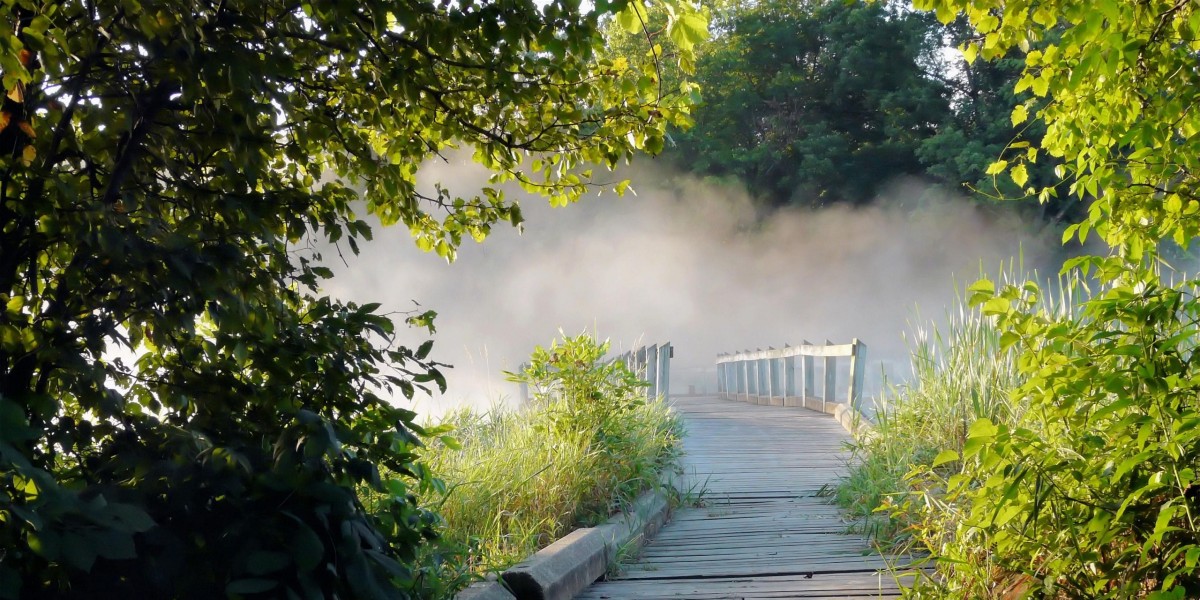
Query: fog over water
x=686, y=261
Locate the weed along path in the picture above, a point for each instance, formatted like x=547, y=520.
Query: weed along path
x=762, y=530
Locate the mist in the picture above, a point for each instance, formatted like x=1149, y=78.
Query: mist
x=690, y=262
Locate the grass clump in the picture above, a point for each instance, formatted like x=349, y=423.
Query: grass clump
x=586, y=445
x=960, y=373
x=1045, y=447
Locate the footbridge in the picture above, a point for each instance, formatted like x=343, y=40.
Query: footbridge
x=762, y=455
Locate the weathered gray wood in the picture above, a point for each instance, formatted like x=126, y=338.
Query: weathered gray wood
x=789, y=378
x=769, y=376
x=764, y=378
x=804, y=349
x=665, y=353
x=809, y=375
x=858, y=363
x=830, y=369
x=762, y=531
x=651, y=374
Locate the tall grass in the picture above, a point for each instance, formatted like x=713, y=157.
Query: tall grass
x=518, y=483
x=586, y=445
x=960, y=373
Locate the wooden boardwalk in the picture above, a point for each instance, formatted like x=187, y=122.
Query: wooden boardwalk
x=762, y=531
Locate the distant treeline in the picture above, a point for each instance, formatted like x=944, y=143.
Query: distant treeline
x=818, y=102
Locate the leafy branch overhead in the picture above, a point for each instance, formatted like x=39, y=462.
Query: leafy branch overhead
x=168, y=368
x=1114, y=83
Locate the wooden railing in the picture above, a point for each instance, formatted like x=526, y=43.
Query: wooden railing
x=653, y=364
x=775, y=376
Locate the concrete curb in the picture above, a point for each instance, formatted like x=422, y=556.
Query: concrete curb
x=853, y=421
x=564, y=568
x=484, y=590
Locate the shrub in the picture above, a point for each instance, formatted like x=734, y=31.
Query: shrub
x=960, y=373
x=1091, y=495
x=587, y=444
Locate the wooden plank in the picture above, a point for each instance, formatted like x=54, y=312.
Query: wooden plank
x=763, y=531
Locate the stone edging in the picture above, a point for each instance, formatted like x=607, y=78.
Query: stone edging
x=564, y=568
x=853, y=421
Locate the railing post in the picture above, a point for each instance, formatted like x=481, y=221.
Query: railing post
x=744, y=380
x=665, y=353
x=730, y=379
x=769, y=361
x=777, y=382
x=789, y=377
x=827, y=396
x=807, y=377
x=639, y=365
x=720, y=377
x=760, y=377
x=858, y=361
x=753, y=383
x=652, y=371
x=760, y=367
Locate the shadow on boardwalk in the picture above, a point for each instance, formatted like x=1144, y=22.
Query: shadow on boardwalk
x=762, y=531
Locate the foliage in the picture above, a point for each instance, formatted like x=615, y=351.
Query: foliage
x=960, y=373
x=980, y=128
x=181, y=413
x=587, y=390
x=1114, y=86
x=516, y=480
x=1089, y=495
x=802, y=99
x=1092, y=494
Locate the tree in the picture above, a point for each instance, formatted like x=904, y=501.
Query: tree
x=163, y=162
x=1094, y=494
x=814, y=102
x=980, y=129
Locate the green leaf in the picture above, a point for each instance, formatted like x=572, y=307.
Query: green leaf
x=261, y=562
x=982, y=429
x=688, y=30
x=996, y=306
x=633, y=17
x=944, y=457
x=114, y=545
x=1019, y=115
x=970, y=52
x=307, y=548
x=1041, y=87
x=1019, y=175
x=250, y=586
x=78, y=552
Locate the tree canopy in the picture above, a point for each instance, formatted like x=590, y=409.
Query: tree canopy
x=979, y=129
x=814, y=102
x=182, y=413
